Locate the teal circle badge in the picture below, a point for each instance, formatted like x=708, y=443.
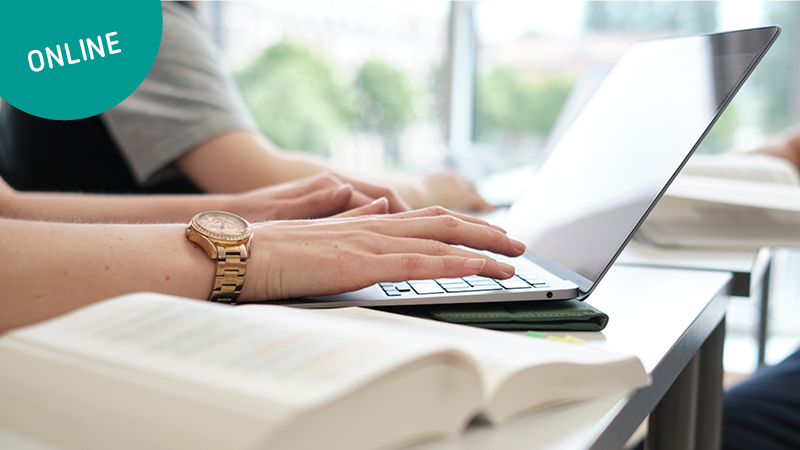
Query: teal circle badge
x=71, y=59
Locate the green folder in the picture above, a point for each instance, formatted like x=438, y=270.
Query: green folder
x=560, y=315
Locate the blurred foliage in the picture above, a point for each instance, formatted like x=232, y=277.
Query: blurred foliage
x=386, y=103
x=772, y=78
x=510, y=104
x=299, y=103
x=295, y=97
x=386, y=97
x=684, y=17
x=769, y=105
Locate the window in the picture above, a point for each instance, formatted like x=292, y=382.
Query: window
x=353, y=80
x=533, y=56
x=368, y=83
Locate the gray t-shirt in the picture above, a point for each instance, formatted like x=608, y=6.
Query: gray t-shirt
x=185, y=100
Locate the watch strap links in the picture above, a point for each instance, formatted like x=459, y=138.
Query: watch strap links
x=231, y=266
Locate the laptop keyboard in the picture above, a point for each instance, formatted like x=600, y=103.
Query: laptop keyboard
x=521, y=280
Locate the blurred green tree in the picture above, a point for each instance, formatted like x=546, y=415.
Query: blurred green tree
x=295, y=97
x=511, y=105
x=387, y=102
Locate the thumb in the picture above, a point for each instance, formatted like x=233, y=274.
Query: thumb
x=379, y=206
x=317, y=204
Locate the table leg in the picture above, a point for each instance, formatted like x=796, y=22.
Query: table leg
x=709, y=393
x=689, y=416
x=672, y=424
x=762, y=323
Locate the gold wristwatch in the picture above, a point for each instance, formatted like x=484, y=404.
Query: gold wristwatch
x=226, y=239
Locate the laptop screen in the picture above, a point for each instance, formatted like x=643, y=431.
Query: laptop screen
x=622, y=150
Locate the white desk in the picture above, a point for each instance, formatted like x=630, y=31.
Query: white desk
x=751, y=272
x=749, y=267
x=673, y=320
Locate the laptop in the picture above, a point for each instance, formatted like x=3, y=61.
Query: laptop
x=604, y=175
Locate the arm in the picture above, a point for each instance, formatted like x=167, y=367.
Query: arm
x=787, y=147
x=65, y=266
x=318, y=196
x=242, y=160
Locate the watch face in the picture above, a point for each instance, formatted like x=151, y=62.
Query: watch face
x=222, y=225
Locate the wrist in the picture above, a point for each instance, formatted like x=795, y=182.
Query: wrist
x=415, y=192
x=256, y=281
x=231, y=203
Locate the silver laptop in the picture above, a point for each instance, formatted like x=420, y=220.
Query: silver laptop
x=603, y=176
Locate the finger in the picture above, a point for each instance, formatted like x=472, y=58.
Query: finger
x=305, y=186
x=379, y=206
x=429, y=223
x=448, y=229
x=316, y=204
x=433, y=211
x=359, y=199
x=416, y=266
x=392, y=245
x=396, y=203
x=475, y=202
x=470, y=198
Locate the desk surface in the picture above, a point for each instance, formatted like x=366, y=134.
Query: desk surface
x=663, y=316
x=747, y=266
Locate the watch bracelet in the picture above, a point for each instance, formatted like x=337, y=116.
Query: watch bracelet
x=229, y=279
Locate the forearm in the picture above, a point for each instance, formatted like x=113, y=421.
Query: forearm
x=787, y=146
x=108, y=208
x=241, y=161
x=55, y=268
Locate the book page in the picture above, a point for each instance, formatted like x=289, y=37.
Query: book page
x=692, y=223
x=288, y=357
x=736, y=192
x=743, y=166
x=725, y=213
x=499, y=355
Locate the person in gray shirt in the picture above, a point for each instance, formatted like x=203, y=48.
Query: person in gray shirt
x=185, y=129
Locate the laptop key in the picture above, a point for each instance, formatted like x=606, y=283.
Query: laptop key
x=461, y=285
x=496, y=287
x=426, y=287
x=392, y=292
x=483, y=282
x=402, y=287
x=514, y=284
x=475, y=277
x=530, y=278
x=449, y=280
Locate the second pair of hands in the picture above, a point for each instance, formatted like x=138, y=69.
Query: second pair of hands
x=326, y=195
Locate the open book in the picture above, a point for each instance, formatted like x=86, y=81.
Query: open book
x=734, y=201
x=157, y=372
